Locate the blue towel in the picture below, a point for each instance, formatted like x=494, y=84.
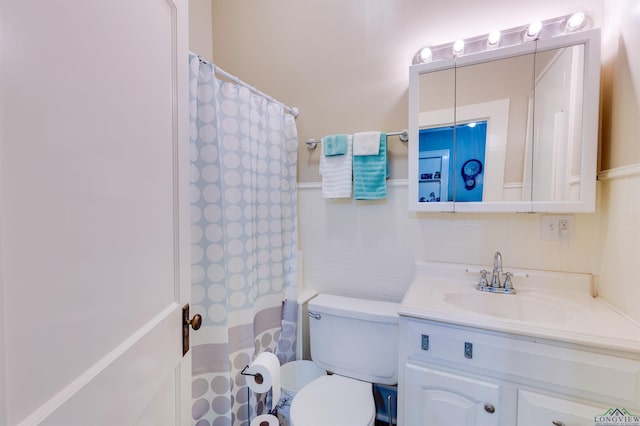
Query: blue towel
x=334, y=145
x=370, y=174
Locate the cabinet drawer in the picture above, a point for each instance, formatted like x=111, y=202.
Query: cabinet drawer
x=536, y=409
x=515, y=358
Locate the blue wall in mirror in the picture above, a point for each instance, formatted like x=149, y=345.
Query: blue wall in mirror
x=466, y=166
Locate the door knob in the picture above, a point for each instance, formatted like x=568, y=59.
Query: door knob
x=195, y=322
x=489, y=408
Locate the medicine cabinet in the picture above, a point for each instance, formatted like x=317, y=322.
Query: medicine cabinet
x=512, y=129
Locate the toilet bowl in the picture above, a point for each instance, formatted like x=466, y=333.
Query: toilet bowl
x=357, y=340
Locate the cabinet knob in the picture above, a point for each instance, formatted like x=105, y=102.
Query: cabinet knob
x=557, y=423
x=489, y=408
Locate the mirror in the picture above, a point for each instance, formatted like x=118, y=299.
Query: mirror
x=555, y=153
x=436, y=137
x=513, y=129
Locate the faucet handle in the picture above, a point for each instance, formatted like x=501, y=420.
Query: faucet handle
x=507, y=280
x=483, y=278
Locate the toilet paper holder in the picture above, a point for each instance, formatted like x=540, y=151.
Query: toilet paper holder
x=258, y=377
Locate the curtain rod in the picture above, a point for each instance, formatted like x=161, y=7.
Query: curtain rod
x=217, y=70
x=404, y=137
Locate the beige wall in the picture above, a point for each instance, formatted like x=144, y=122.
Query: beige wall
x=619, y=213
x=621, y=85
x=344, y=63
x=200, y=28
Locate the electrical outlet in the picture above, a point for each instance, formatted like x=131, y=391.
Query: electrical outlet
x=554, y=227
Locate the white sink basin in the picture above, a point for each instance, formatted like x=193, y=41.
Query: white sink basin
x=519, y=307
x=549, y=305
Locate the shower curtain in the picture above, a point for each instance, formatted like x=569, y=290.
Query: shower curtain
x=243, y=242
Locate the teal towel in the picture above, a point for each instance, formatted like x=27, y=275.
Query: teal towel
x=334, y=145
x=370, y=174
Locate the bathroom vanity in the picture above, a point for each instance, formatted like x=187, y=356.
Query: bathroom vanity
x=551, y=354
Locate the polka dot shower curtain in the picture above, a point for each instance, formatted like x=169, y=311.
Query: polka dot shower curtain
x=243, y=242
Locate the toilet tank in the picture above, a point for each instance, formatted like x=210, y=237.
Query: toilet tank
x=356, y=338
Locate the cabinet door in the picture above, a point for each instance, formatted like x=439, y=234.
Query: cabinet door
x=438, y=398
x=535, y=409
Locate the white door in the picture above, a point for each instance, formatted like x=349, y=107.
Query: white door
x=94, y=202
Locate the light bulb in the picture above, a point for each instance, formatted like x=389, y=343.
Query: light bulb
x=534, y=29
x=425, y=54
x=494, y=38
x=575, y=21
x=458, y=46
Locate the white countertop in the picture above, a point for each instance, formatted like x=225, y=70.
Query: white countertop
x=550, y=305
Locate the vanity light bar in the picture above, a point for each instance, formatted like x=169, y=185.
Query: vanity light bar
x=513, y=36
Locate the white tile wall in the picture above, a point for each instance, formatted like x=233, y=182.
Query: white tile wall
x=368, y=248
x=619, y=241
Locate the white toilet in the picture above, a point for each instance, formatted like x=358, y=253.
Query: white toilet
x=357, y=340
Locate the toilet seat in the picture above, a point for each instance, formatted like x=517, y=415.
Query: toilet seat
x=334, y=400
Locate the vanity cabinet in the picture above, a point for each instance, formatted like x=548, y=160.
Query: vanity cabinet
x=451, y=374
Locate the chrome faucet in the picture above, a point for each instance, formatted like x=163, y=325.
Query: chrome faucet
x=497, y=270
x=495, y=286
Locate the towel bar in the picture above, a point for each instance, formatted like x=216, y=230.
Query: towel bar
x=403, y=135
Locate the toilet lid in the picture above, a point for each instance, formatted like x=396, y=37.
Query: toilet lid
x=334, y=400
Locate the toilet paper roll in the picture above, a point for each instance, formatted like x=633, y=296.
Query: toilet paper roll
x=266, y=367
x=265, y=420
